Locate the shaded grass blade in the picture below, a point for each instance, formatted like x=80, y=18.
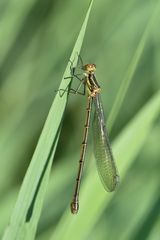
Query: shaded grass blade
x=25, y=216
x=132, y=68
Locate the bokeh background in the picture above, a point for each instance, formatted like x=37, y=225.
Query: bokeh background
x=36, y=40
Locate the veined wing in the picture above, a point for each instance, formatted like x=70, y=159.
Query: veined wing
x=103, y=153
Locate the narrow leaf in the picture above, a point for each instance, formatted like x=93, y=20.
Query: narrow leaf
x=25, y=216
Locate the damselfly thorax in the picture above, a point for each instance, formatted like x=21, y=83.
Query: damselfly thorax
x=91, y=82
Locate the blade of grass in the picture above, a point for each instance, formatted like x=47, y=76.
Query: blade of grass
x=32, y=192
x=53, y=191
x=132, y=68
x=93, y=198
x=154, y=234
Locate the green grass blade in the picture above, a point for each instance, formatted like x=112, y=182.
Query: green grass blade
x=32, y=192
x=132, y=68
x=155, y=231
x=93, y=198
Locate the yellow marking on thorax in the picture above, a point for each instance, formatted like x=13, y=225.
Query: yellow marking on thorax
x=92, y=90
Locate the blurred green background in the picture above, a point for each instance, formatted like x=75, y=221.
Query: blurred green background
x=36, y=39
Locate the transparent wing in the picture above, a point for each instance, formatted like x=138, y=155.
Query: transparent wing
x=105, y=162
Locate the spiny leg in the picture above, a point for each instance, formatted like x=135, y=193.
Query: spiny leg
x=73, y=69
x=74, y=91
x=80, y=58
x=73, y=74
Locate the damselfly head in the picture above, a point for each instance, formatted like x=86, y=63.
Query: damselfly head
x=89, y=68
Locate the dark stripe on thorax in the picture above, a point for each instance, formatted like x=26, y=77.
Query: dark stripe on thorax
x=93, y=81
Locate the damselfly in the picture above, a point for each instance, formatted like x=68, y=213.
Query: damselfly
x=105, y=162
